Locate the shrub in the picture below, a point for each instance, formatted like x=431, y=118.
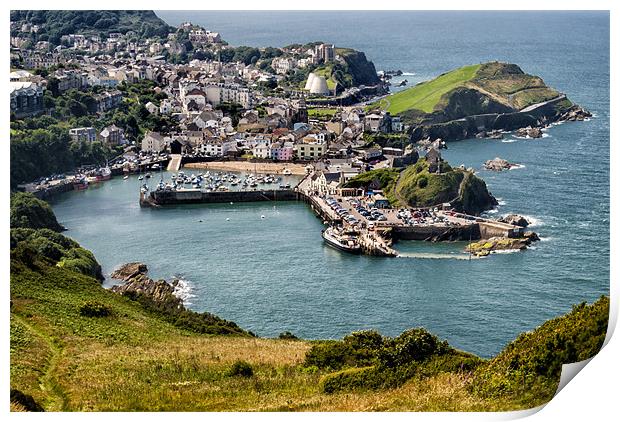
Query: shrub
x=328, y=355
x=287, y=335
x=26, y=400
x=422, y=182
x=416, y=344
x=348, y=379
x=241, y=368
x=95, y=309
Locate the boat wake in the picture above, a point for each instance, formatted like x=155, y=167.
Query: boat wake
x=505, y=251
x=183, y=291
x=422, y=255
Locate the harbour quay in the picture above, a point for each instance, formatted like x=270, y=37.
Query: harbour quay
x=367, y=234
x=198, y=196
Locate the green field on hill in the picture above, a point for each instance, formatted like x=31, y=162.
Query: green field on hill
x=426, y=95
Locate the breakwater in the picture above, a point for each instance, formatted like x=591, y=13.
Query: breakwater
x=197, y=196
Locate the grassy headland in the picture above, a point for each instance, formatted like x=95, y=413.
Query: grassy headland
x=492, y=87
x=426, y=95
x=416, y=186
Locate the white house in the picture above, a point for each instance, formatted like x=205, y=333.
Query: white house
x=153, y=142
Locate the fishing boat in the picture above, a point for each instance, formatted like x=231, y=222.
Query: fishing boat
x=80, y=183
x=286, y=172
x=104, y=174
x=147, y=175
x=341, y=240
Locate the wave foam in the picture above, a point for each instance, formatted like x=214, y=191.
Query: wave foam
x=505, y=251
x=423, y=255
x=408, y=74
x=183, y=290
x=509, y=141
x=517, y=166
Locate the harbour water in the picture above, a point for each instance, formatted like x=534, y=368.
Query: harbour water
x=274, y=274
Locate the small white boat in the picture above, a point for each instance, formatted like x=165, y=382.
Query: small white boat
x=125, y=177
x=262, y=216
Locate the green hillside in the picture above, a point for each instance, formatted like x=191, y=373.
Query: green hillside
x=425, y=96
x=417, y=187
x=56, y=23
x=75, y=346
x=492, y=87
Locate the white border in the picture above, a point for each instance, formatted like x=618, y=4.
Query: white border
x=591, y=395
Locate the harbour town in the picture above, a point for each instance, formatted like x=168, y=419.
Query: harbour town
x=305, y=211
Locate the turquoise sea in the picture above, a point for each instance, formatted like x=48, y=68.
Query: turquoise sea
x=275, y=274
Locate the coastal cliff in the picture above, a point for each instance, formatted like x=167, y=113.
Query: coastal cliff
x=420, y=187
x=476, y=99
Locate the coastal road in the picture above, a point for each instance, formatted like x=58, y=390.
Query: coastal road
x=544, y=103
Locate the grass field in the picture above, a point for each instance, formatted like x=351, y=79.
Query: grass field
x=322, y=113
x=426, y=95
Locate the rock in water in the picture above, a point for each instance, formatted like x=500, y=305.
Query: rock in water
x=515, y=220
x=498, y=164
x=485, y=246
x=130, y=270
x=530, y=132
x=575, y=113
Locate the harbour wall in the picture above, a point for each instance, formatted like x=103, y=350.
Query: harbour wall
x=196, y=196
x=436, y=233
x=53, y=190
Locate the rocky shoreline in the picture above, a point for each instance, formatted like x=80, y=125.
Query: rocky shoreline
x=485, y=247
x=134, y=274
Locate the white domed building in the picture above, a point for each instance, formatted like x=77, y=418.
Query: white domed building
x=311, y=77
x=316, y=84
x=319, y=86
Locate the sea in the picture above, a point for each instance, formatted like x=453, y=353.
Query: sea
x=275, y=274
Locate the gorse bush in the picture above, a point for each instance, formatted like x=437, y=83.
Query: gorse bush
x=45, y=246
x=367, y=360
x=413, y=345
x=532, y=364
x=287, y=335
x=28, y=211
x=241, y=368
x=95, y=309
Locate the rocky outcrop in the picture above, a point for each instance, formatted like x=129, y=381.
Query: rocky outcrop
x=137, y=283
x=159, y=291
x=492, y=134
x=575, y=113
x=474, y=197
x=529, y=132
x=498, y=164
x=515, y=220
x=128, y=271
x=487, y=246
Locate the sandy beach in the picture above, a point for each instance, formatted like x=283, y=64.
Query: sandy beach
x=246, y=166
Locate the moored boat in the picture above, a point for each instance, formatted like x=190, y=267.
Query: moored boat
x=80, y=183
x=346, y=242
